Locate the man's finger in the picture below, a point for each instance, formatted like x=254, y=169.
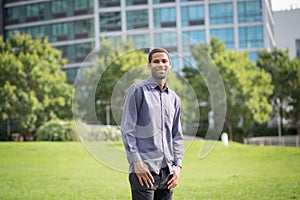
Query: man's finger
x=150, y=177
x=141, y=181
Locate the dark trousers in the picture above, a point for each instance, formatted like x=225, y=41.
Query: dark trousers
x=159, y=190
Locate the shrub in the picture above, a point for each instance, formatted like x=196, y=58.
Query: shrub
x=57, y=130
x=100, y=133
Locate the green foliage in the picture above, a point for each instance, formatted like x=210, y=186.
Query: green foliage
x=112, y=62
x=33, y=87
x=57, y=130
x=247, y=87
x=285, y=75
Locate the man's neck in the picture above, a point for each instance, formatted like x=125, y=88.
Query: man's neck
x=161, y=83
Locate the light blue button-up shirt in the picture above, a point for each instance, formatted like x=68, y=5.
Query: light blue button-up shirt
x=151, y=127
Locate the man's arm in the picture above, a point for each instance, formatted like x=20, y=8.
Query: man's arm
x=128, y=129
x=178, y=147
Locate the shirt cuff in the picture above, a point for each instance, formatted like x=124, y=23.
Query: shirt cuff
x=178, y=163
x=134, y=157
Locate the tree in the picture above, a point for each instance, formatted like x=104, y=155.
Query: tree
x=111, y=62
x=34, y=88
x=285, y=75
x=294, y=93
x=247, y=87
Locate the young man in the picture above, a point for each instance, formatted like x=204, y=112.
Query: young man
x=152, y=134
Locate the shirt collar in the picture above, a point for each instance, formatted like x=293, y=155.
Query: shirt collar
x=153, y=84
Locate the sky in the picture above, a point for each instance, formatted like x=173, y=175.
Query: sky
x=285, y=4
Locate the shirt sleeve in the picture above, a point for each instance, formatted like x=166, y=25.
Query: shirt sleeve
x=128, y=124
x=178, y=145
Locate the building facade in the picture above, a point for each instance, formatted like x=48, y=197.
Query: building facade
x=287, y=35
x=76, y=26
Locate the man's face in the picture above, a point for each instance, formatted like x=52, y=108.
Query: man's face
x=160, y=65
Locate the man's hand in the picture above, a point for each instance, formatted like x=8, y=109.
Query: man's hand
x=172, y=183
x=143, y=173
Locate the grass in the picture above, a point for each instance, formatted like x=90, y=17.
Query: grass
x=53, y=170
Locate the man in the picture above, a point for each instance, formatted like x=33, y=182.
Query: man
x=152, y=134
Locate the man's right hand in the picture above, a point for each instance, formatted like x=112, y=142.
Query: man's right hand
x=142, y=172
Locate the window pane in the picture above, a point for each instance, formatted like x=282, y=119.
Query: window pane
x=167, y=40
x=136, y=2
x=190, y=38
x=137, y=19
x=250, y=11
x=109, y=3
x=189, y=62
x=34, y=12
x=165, y=17
x=110, y=21
x=225, y=35
x=251, y=36
x=175, y=64
x=253, y=56
x=140, y=41
x=59, y=6
x=83, y=28
x=162, y=1
x=60, y=32
x=221, y=13
x=192, y=15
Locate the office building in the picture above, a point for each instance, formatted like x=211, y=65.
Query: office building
x=76, y=26
x=287, y=31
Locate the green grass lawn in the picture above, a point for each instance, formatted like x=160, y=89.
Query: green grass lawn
x=46, y=170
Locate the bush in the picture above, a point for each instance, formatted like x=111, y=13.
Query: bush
x=100, y=133
x=57, y=130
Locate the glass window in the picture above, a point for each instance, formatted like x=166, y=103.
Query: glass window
x=83, y=28
x=251, y=36
x=192, y=15
x=162, y=1
x=167, y=40
x=109, y=3
x=137, y=19
x=253, y=56
x=175, y=64
x=165, y=17
x=189, y=61
x=59, y=6
x=140, y=41
x=71, y=73
x=110, y=21
x=249, y=11
x=82, y=50
x=83, y=7
x=298, y=48
x=60, y=31
x=191, y=0
x=226, y=35
x=136, y=2
x=36, y=31
x=12, y=15
x=34, y=12
x=221, y=13
x=190, y=38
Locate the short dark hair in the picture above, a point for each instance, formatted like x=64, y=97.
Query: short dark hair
x=157, y=50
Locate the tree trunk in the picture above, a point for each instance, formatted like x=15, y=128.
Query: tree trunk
x=229, y=126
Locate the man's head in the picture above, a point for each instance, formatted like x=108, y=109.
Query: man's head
x=159, y=63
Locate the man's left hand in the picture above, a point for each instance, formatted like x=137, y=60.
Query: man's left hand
x=172, y=183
